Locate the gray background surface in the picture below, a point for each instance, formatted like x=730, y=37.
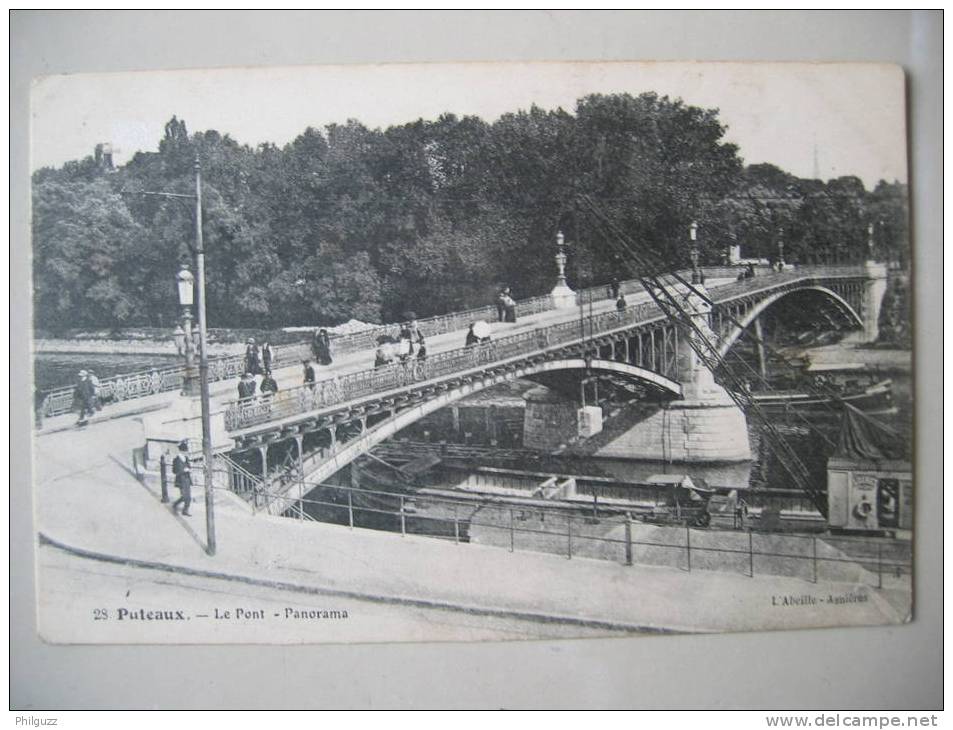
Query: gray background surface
x=864, y=669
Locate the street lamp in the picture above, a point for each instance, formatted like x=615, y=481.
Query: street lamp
x=780, y=249
x=560, y=259
x=184, y=336
x=187, y=339
x=203, y=366
x=693, y=253
x=562, y=295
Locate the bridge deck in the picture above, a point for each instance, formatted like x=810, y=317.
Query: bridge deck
x=350, y=383
x=356, y=363
x=290, y=375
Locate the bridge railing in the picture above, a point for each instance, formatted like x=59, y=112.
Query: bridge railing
x=771, y=280
x=443, y=323
x=159, y=380
x=412, y=372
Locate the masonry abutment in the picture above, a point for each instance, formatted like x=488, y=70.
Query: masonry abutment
x=705, y=426
x=875, y=286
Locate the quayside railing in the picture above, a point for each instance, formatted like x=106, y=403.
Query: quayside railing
x=586, y=532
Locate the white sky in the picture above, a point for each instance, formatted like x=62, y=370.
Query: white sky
x=776, y=113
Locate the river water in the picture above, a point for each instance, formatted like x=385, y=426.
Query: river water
x=812, y=437
x=56, y=370
x=764, y=471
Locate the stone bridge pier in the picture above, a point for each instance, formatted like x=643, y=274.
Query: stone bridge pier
x=875, y=286
x=704, y=426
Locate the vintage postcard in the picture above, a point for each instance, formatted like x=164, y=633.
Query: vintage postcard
x=458, y=352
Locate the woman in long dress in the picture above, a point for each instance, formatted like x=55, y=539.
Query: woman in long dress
x=322, y=347
x=252, y=357
x=267, y=355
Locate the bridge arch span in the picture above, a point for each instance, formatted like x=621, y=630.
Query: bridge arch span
x=321, y=471
x=849, y=312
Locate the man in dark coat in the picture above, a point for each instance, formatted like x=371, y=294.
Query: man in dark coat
x=252, y=358
x=183, y=479
x=308, y=374
x=83, y=398
x=246, y=386
x=321, y=346
x=500, y=303
x=268, y=384
x=472, y=339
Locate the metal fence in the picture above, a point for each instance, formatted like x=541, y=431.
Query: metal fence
x=141, y=384
x=613, y=535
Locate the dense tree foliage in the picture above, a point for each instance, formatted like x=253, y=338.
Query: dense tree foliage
x=430, y=216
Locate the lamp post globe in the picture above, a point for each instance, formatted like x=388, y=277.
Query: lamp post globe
x=186, y=285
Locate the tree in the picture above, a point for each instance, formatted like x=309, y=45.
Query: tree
x=85, y=246
x=890, y=215
x=432, y=216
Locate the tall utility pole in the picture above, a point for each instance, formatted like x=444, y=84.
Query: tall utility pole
x=199, y=254
x=203, y=366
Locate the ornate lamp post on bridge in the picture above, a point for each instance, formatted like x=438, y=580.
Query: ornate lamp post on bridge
x=562, y=295
x=697, y=277
x=781, y=249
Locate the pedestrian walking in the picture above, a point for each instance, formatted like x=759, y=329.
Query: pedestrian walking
x=97, y=402
x=83, y=398
x=509, y=306
x=268, y=384
x=321, y=347
x=620, y=303
x=246, y=387
x=252, y=357
x=500, y=303
x=411, y=339
x=267, y=355
x=308, y=374
x=614, y=287
x=472, y=339
x=39, y=400
x=183, y=479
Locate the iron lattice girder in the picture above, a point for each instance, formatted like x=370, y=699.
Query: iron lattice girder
x=652, y=345
x=729, y=310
